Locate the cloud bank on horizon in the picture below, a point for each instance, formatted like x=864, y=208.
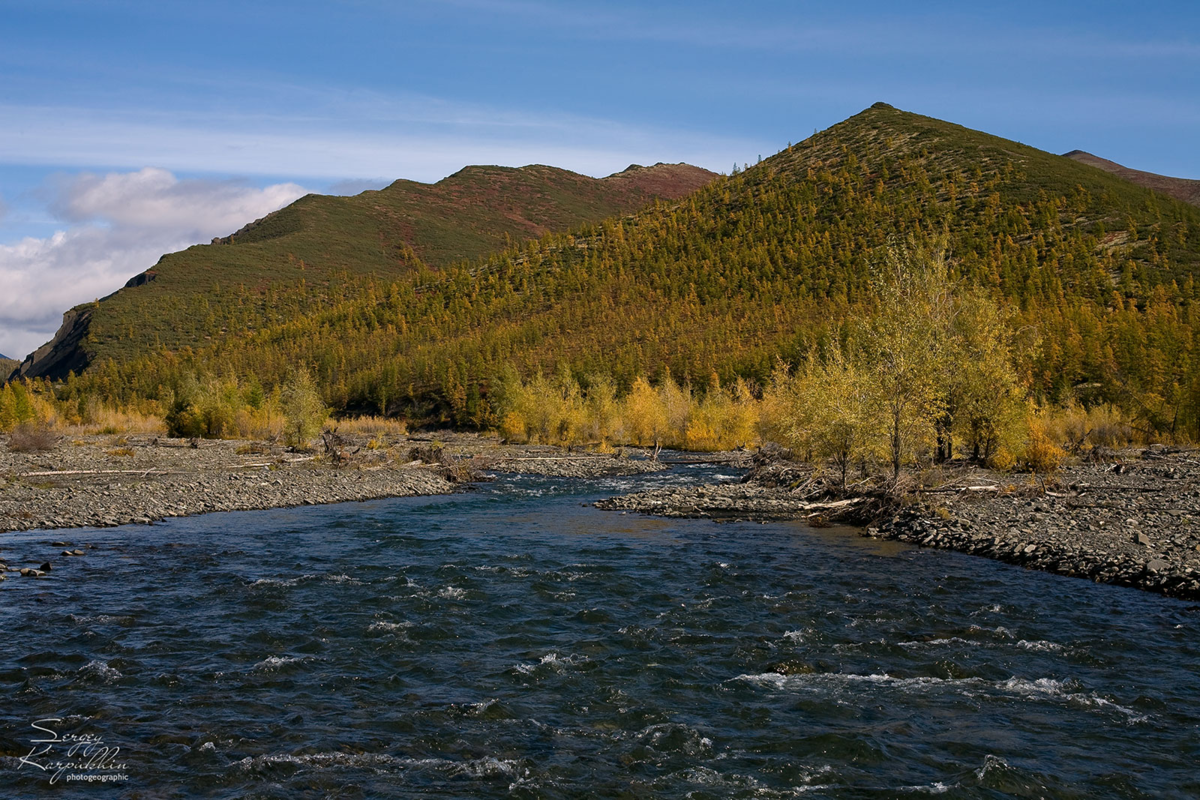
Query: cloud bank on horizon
x=118, y=225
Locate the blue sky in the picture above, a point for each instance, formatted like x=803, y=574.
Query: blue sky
x=129, y=128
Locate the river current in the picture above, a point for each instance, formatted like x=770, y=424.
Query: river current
x=515, y=642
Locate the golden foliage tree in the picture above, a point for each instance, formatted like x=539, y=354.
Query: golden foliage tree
x=828, y=411
x=903, y=346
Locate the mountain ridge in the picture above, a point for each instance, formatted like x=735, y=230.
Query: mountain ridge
x=1185, y=189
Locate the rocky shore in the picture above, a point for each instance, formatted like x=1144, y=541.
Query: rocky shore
x=1134, y=521
x=731, y=501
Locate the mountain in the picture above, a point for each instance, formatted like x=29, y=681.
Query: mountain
x=1183, y=189
x=238, y=283
x=759, y=265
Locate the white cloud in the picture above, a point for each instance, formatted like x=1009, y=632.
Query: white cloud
x=120, y=224
x=154, y=199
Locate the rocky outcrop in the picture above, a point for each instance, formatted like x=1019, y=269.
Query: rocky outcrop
x=141, y=279
x=64, y=353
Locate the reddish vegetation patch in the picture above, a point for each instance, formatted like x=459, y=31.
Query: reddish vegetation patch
x=668, y=181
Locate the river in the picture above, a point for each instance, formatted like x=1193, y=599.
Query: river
x=515, y=642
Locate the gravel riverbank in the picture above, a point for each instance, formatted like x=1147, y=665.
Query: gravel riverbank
x=1131, y=523
x=730, y=501
x=98, y=482
x=577, y=466
x=1134, y=522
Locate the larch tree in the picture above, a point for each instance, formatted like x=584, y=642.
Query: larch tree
x=902, y=347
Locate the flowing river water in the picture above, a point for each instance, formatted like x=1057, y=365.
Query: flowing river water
x=515, y=642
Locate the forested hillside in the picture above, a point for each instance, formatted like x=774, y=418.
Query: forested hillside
x=754, y=266
x=296, y=259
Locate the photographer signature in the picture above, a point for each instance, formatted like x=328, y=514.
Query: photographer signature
x=72, y=756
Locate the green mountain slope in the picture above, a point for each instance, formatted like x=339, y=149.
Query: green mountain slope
x=242, y=282
x=763, y=264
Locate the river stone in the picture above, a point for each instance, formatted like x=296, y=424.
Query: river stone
x=45, y=567
x=1143, y=539
x=1157, y=565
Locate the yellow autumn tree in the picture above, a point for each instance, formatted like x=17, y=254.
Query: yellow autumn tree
x=828, y=411
x=645, y=414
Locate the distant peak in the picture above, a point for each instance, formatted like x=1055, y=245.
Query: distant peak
x=476, y=169
x=660, y=166
x=1074, y=153
x=884, y=106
